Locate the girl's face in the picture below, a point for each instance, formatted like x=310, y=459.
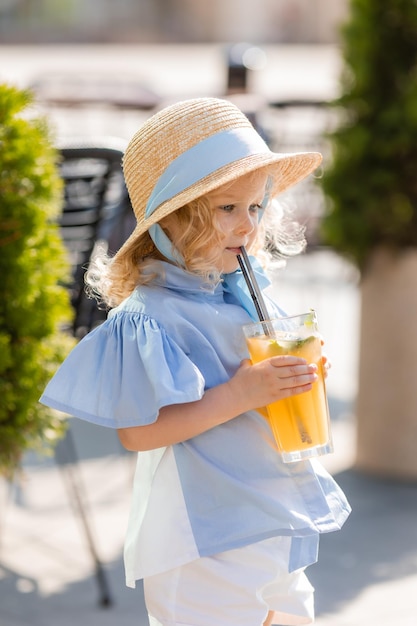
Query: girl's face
x=236, y=206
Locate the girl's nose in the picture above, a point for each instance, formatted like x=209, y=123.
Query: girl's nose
x=245, y=224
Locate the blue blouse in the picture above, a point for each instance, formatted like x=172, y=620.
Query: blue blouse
x=228, y=487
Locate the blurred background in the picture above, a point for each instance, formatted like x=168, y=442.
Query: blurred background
x=170, y=21
x=98, y=69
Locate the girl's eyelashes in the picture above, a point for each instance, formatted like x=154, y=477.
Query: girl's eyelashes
x=229, y=207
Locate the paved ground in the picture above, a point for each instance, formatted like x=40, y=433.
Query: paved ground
x=367, y=573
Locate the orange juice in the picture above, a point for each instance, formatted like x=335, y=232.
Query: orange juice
x=300, y=423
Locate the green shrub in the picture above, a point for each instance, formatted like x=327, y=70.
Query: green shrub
x=371, y=183
x=34, y=302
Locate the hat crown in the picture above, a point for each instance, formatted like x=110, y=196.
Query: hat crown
x=167, y=135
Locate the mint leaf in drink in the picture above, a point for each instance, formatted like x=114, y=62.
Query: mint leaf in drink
x=302, y=342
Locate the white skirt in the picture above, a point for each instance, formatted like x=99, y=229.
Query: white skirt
x=234, y=588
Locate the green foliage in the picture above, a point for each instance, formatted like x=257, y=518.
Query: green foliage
x=34, y=304
x=371, y=184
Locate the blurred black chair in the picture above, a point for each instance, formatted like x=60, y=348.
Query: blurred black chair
x=96, y=211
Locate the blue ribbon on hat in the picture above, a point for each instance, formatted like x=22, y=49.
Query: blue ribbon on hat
x=203, y=159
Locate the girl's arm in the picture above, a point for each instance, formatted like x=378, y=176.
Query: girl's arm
x=251, y=387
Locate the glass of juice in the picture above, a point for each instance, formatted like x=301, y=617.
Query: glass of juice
x=300, y=423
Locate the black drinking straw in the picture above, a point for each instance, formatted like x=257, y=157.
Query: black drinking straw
x=253, y=286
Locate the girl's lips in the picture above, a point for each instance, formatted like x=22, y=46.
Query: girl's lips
x=234, y=250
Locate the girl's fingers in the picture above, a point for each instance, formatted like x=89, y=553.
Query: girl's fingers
x=299, y=382
x=286, y=360
x=293, y=391
x=326, y=365
x=296, y=371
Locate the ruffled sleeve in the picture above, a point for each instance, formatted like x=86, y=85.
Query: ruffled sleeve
x=122, y=373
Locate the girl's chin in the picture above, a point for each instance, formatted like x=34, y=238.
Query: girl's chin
x=229, y=260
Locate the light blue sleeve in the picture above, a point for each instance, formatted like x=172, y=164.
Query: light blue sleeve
x=122, y=373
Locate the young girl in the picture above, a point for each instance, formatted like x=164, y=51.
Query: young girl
x=220, y=529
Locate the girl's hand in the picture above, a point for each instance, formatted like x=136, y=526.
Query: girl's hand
x=272, y=379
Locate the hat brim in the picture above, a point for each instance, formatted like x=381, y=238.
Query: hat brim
x=286, y=169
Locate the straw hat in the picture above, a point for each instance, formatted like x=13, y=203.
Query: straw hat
x=192, y=147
